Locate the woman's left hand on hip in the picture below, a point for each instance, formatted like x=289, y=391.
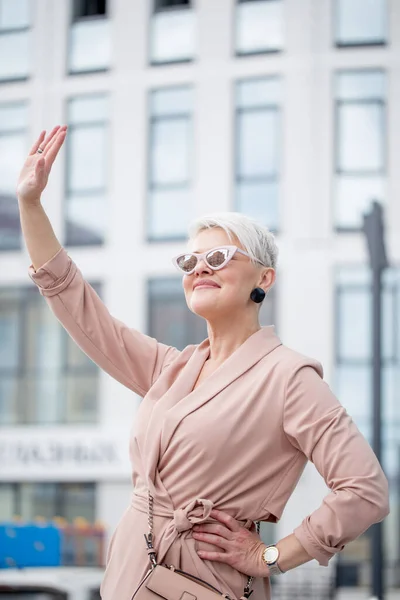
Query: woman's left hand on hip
x=240, y=547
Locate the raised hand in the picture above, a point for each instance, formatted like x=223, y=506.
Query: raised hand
x=35, y=172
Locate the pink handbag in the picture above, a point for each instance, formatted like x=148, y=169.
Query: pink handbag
x=169, y=583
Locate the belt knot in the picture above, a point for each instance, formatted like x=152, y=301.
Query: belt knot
x=196, y=511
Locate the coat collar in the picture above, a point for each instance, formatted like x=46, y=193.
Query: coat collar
x=180, y=399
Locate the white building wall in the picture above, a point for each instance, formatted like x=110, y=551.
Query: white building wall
x=309, y=247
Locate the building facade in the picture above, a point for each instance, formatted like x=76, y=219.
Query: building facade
x=282, y=109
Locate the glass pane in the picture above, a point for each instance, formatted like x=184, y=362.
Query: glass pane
x=90, y=45
x=361, y=21
x=38, y=500
x=353, y=388
x=170, y=152
x=79, y=501
x=87, y=166
x=170, y=213
x=259, y=26
x=171, y=101
x=390, y=387
x=259, y=200
x=361, y=85
x=42, y=336
x=16, y=46
x=75, y=356
x=171, y=322
x=7, y=502
x=258, y=143
x=253, y=93
x=354, y=332
x=82, y=393
x=42, y=398
x=173, y=36
x=12, y=155
x=361, y=138
x=13, y=117
x=9, y=385
x=354, y=196
x=86, y=219
x=88, y=109
x=14, y=14
x=9, y=334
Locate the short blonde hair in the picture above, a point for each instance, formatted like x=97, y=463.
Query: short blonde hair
x=256, y=239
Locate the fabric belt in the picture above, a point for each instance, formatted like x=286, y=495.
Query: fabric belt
x=181, y=519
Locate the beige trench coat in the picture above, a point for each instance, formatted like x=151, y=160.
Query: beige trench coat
x=239, y=441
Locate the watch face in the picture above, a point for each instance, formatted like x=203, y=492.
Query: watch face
x=271, y=555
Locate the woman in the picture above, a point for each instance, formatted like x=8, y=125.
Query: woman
x=225, y=428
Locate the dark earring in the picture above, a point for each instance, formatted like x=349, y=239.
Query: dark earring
x=257, y=295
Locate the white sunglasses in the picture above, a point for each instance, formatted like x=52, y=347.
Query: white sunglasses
x=217, y=258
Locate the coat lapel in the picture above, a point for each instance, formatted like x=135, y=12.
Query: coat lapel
x=248, y=354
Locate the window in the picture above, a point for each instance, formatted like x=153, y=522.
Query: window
x=170, y=201
x=15, y=39
x=48, y=500
x=90, y=37
x=87, y=170
x=258, y=149
x=259, y=26
x=360, y=153
x=171, y=322
x=89, y=8
x=353, y=370
x=173, y=34
x=361, y=22
x=44, y=377
x=13, y=124
x=169, y=319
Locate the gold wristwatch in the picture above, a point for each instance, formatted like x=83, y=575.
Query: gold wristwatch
x=270, y=557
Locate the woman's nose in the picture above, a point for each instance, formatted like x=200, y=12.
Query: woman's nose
x=202, y=267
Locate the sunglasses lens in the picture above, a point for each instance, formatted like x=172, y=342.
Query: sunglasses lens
x=187, y=262
x=216, y=258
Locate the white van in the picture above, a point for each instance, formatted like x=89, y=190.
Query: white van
x=57, y=583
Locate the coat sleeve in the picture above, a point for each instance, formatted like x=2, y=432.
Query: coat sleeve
x=134, y=359
x=318, y=425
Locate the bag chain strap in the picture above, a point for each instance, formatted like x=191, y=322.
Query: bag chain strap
x=152, y=553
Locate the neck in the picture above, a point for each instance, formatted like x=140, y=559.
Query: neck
x=225, y=336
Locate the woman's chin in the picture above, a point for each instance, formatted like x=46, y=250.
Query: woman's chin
x=204, y=309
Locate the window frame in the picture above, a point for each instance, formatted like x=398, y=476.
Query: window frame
x=60, y=496
x=25, y=298
x=4, y=31
x=275, y=107
x=335, y=20
x=156, y=8
x=106, y=123
x=152, y=14
x=337, y=103
x=252, y=53
x=190, y=317
x=17, y=131
x=70, y=72
x=75, y=19
x=150, y=186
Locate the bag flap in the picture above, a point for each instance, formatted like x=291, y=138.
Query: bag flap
x=173, y=586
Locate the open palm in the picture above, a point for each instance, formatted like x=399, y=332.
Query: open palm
x=35, y=172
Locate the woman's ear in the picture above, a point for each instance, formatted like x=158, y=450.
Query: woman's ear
x=267, y=279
